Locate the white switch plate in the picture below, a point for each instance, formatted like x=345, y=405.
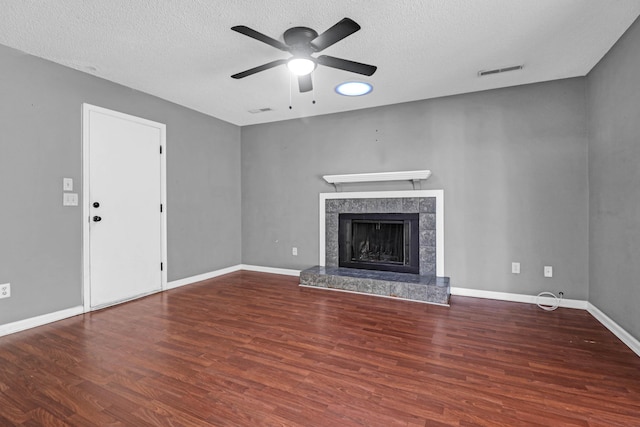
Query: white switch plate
x=294, y=251
x=5, y=290
x=548, y=271
x=515, y=267
x=67, y=184
x=70, y=199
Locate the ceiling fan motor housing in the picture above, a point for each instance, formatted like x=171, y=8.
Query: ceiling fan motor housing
x=299, y=38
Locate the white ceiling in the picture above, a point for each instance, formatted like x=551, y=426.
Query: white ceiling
x=184, y=51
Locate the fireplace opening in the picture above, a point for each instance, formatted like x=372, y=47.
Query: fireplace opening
x=388, y=242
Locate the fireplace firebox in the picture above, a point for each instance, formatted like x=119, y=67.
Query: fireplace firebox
x=379, y=241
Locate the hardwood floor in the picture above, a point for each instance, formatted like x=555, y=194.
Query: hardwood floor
x=255, y=349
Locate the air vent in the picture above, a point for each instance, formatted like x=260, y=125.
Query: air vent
x=500, y=70
x=260, y=110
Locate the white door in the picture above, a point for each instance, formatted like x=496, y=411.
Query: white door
x=123, y=198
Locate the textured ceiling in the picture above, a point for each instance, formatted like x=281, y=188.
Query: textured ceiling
x=184, y=51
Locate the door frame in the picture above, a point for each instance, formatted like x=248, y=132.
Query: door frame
x=86, y=217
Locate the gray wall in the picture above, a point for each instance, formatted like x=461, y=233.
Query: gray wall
x=614, y=181
x=40, y=143
x=512, y=163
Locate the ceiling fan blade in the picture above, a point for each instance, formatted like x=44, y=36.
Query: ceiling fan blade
x=260, y=68
x=346, y=65
x=242, y=29
x=342, y=29
x=304, y=83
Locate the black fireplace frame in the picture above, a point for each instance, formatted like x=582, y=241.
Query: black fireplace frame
x=412, y=225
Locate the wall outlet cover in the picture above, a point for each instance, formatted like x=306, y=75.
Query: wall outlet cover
x=70, y=199
x=515, y=267
x=5, y=290
x=548, y=271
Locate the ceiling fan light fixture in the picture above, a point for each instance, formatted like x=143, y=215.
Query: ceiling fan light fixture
x=301, y=66
x=301, y=43
x=354, y=88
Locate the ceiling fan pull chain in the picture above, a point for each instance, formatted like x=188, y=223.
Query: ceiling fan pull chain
x=290, y=107
x=313, y=89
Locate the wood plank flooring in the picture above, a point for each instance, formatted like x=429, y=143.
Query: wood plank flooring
x=252, y=349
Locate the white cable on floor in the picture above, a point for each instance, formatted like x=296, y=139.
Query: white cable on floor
x=551, y=307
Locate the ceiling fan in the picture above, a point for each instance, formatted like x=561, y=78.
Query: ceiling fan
x=302, y=42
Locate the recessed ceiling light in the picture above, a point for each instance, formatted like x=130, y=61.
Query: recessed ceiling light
x=354, y=88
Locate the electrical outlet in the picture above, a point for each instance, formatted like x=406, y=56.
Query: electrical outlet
x=548, y=271
x=515, y=267
x=5, y=290
x=294, y=251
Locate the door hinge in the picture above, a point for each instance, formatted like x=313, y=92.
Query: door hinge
x=160, y=207
x=161, y=149
x=161, y=266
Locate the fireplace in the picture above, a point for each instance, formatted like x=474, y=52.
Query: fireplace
x=380, y=229
x=409, y=205
x=379, y=241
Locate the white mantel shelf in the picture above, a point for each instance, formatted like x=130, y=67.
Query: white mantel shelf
x=414, y=176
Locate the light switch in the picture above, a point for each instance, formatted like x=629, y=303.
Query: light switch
x=70, y=199
x=67, y=184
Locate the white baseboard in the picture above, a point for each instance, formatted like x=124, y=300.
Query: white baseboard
x=608, y=323
x=200, y=277
x=272, y=270
x=504, y=296
x=616, y=329
x=21, y=325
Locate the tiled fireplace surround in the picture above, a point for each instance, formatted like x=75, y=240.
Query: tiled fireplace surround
x=428, y=286
x=424, y=206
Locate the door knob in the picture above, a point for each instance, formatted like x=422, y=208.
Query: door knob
x=97, y=219
x=96, y=204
